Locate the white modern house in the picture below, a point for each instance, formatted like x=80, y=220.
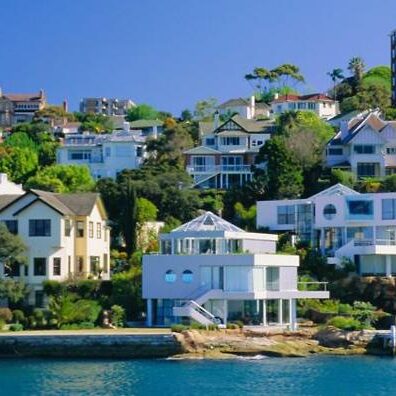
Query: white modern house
x=343, y=224
x=247, y=108
x=365, y=145
x=227, y=152
x=66, y=235
x=324, y=106
x=211, y=271
x=105, y=154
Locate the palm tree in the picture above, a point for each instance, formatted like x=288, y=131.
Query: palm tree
x=336, y=74
x=356, y=66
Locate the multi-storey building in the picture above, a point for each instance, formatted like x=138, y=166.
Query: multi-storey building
x=106, y=106
x=211, y=271
x=364, y=145
x=66, y=235
x=228, y=152
x=342, y=223
x=324, y=106
x=246, y=108
x=393, y=66
x=106, y=155
x=17, y=108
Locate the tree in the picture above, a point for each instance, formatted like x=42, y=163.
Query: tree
x=146, y=211
x=344, y=177
x=97, y=123
x=18, y=163
x=186, y=115
x=204, y=109
x=335, y=75
x=142, y=112
x=62, y=178
x=283, y=171
x=12, y=248
x=356, y=66
x=246, y=218
x=12, y=290
x=53, y=113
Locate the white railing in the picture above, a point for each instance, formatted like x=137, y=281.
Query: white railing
x=371, y=242
x=218, y=168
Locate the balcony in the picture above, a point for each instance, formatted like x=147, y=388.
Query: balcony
x=219, y=168
x=375, y=246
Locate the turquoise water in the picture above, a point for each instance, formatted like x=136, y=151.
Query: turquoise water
x=267, y=376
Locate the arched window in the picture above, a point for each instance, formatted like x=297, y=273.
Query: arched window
x=187, y=276
x=329, y=212
x=170, y=276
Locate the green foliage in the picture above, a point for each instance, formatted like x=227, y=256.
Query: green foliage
x=170, y=224
x=62, y=178
x=204, y=109
x=178, y=328
x=12, y=290
x=16, y=327
x=344, y=177
x=5, y=314
x=77, y=326
x=2, y=324
x=97, y=123
x=142, y=112
x=345, y=323
x=146, y=211
x=232, y=326
x=118, y=316
x=18, y=163
x=18, y=316
x=212, y=200
x=53, y=288
x=246, y=217
x=389, y=183
x=12, y=248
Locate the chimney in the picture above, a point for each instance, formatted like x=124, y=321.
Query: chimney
x=65, y=105
x=252, y=107
x=42, y=93
x=276, y=95
x=216, y=120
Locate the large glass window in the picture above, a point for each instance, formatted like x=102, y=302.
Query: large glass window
x=286, y=214
x=95, y=263
x=388, y=209
x=40, y=264
x=239, y=278
x=359, y=233
x=166, y=246
x=40, y=228
x=230, y=141
x=272, y=274
x=366, y=169
x=364, y=149
x=358, y=208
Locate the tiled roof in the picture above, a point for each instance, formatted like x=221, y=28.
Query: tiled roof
x=6, y=199
x=234, y=102
x=293, y=97
x=202, y=150
x=252, y=126
x=17, y=97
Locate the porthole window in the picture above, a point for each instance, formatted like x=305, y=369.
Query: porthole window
x=329, y=212
x=187, y=276
x=170, y=276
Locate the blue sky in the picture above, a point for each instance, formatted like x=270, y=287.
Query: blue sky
x=171, y=53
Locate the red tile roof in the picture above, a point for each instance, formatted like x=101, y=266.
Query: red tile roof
x=293, y=97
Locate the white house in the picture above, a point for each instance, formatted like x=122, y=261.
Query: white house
x=211, y=271
x=364, y=145
x=342, y=223
x=321, y=104
x=66, y=235
x=247, y=108
x=227, y=152
x=7, y=187
x=105, y=154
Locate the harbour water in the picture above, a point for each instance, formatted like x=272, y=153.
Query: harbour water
x=317, y=375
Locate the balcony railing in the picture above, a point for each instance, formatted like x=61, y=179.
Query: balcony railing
x=372, y=242
x=218, y=168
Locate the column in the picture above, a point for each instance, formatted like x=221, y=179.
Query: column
x=388, y=265
x=149, y=318
x=265, y=313
x=293, y=311
x=280, y=312
x=225, y=312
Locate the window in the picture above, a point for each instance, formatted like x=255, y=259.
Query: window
x=98, y=230
x=364, y=149
x=105, y=263
x=329, y=212
x=90, y=229
x=301, y=105
x=40, y=264
x=80, y=229
x=389, y=209
x=360, y=207
x=210, y=141
x=170, y=276
x=80, y=264
x=105, y=234
x=292, y=106
x=335, y=151
x=12, y=226
x=391, y=150
x=286, y=214
x=366, y=169
x=94, y=262
x=139, y=151
x=108, y=151
x=311, y=105
x=230, y=141
x=39, y=228
x=79, y=155
x=272, y=274
x=187, y=276
x=256, y=143
x=69, y=265
x=56, y=266
x=67, y=227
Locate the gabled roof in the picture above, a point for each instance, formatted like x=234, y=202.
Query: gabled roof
x=337, y=189
x=7, y=199
x=250, y=126
x=22, y=97
x=293, y=97
x=202, y=150
x=234, y=103
x=208, y=222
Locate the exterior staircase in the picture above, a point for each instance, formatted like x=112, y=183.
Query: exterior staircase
x=198, y=179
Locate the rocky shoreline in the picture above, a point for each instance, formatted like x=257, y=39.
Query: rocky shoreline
x=195, y=344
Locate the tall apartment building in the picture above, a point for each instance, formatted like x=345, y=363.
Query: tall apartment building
x=393, y=66
x=19, y=107
x=106, y=106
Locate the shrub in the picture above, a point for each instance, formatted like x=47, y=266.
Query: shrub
x=178, y=328
x=118, y=316
x=345, y=323
x=232, y=326
x=2, y=324
x=212, y=327
x=18, y=316
x=53, y=288
x=239, y=323
x=16, y=327
x=78, y=326
x=87, y=288
x=197, y=326
x=5, y=314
